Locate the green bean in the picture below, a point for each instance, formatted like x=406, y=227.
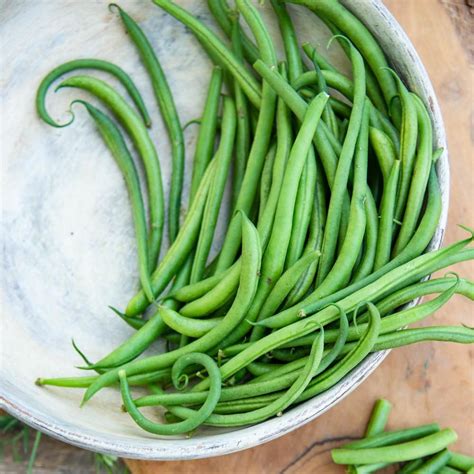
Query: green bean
x=461, y=461
x=216, y=192
x=378, y=418
x=290, y=42
x=251, y=256
x=168, y=110
x=114, y=140
x=282, y=152
x=436, y=462
x=207, y=130
x=289, y=355
x=275, y=407
x=190, y=423
x=410, y=127
x=85, y=382
x=355, y=30
x=387, y=214
x=221, y=12
x=384, y=151
x=423, y=163
x=180, y=248
x=260, y=368
x=286, y=283
x=418, y=243
x=315, y=236
x=266, y=180
x=366, y=264
x=242, y=138
x=214, y=44
x=401, y=452
x=405, y=337
x=391, y=438
x=303, y=210
x=98, y=64
x=216, y=297
x=187, y=326
x=145, y=147
x=342, y=171
x=193, y=291
x=383, y=123
x=261, y=140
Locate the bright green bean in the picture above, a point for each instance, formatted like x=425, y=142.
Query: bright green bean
x=384, y=151
x=401, y=452
x=461, y=461
x=168, y=110
x=190, y=423
x=207, y=130
x=387, y=215
x=188, y=326
x=378, y=418
x=216, y=191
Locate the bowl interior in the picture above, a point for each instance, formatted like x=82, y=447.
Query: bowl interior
x=68, y=240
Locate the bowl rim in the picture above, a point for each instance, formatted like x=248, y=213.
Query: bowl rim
x=244, y=438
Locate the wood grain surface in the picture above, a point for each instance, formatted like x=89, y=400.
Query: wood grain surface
x=427, y=382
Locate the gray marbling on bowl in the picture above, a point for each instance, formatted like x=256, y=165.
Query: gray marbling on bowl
x=68, y=243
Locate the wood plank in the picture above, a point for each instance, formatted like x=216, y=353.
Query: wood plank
x=427, y=382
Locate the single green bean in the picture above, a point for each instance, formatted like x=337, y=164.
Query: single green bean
x=387, y=215
x=378, y=418
x=384, y=151
x=188, y=326
x=207, y=130
x=168, y=110
x=461, y=461
x=190, y=423
x=243, y=137
x=216, y=191
x=401, y=452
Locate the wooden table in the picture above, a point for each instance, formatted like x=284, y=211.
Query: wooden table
x=426, y=382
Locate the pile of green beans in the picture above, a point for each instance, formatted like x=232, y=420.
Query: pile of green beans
x=334, y=199
x=422, y=449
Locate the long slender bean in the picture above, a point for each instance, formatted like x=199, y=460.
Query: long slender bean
x=378, y=418
x=216, y=192
x=168, y=110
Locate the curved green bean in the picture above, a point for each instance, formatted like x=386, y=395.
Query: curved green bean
x=98, y=64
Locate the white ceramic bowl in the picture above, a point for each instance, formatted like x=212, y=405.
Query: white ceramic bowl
x=68, y=243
